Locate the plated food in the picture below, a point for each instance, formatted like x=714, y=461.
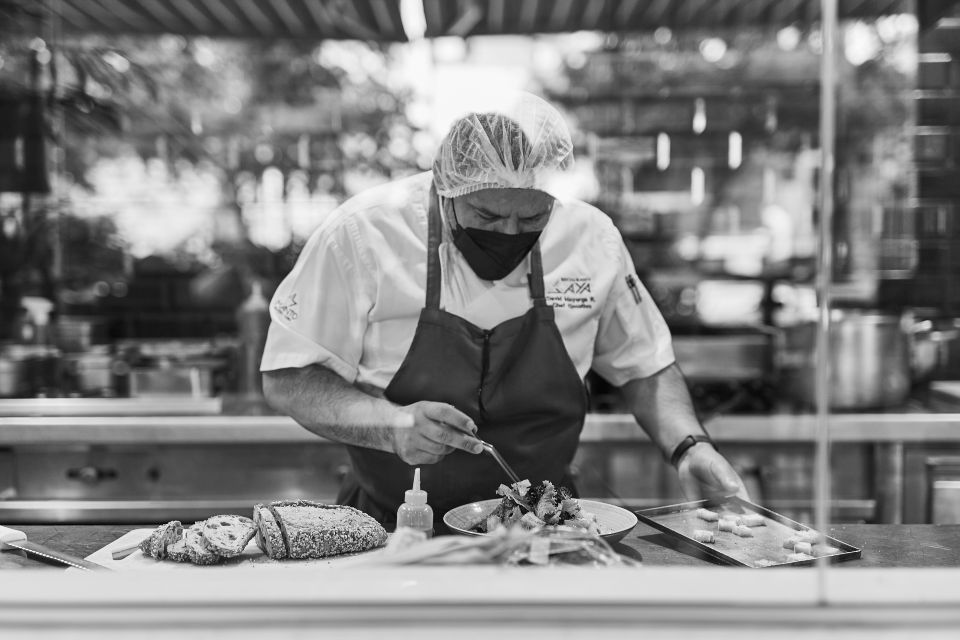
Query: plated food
x=591, y=517
x=534, y=506
x=290, y=529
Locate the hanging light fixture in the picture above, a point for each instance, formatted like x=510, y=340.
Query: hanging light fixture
x=699, y=116
x=697, y=186
x=663, y=151
x=734, y=150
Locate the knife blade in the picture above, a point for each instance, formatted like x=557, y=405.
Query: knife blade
x=15, y=539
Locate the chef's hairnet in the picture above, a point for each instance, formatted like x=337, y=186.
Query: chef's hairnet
x=521, y=146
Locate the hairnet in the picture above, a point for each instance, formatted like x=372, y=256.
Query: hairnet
x=522, y=146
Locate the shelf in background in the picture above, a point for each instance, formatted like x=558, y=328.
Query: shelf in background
x=82, y=407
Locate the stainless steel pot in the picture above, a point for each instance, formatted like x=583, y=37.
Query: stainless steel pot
x=27, y=369
x=77, y=334
x=92, y=371
x=869, y=359
x=12, y=377
x=929, y=346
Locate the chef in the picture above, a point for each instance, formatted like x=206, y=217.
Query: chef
x=467, y=304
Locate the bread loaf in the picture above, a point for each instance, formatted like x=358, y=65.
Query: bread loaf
x=286, y=529
x=228, y=535
x=305, y=529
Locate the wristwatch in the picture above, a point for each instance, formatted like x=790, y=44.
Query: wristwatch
x=686, y=444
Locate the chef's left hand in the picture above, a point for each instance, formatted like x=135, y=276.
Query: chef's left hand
x=704, y=473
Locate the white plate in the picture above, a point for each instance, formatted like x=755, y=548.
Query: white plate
x=614, y=521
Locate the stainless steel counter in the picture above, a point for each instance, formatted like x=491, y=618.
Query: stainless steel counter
x=182, y=429
x=154, y=451
x=673, y=595
x=882, y=545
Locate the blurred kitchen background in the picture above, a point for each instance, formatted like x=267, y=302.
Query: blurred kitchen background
x=162, y=164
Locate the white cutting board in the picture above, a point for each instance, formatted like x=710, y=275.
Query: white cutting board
x=252, y=556
x=948, y=387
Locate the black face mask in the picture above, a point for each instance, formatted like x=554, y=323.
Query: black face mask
x=492, y=255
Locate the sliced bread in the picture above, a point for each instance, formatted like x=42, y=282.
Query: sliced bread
x=269, y=535
x=228, y=535
x=162, y=537
x=193, y=547
x=306, y=529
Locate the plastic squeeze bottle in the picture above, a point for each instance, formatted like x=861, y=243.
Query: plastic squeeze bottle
x=253, y=320
x=415, y=512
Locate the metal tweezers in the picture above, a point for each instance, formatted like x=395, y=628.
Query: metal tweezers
x=489, y=448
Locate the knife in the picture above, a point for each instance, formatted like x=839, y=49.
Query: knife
x=14, y=539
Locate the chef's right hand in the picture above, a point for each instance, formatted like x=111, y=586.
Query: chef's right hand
x=436, y=429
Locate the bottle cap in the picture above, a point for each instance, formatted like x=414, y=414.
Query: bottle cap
x=416, y=495
x=38, y=308
x=256, y=300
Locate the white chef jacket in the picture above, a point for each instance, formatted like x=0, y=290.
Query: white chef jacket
x=353, y=299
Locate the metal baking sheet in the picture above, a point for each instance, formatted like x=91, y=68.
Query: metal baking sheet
x=680, y=520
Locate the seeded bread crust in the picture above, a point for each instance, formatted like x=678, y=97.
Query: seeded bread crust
x=228, y=535
x=160, y=540
x=178, y=551
x=193, y=547
x=307, y=529
x=269, y=535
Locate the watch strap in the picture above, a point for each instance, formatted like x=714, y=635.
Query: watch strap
x=686, y=444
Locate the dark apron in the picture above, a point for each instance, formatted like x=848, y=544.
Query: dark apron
x=516, y=381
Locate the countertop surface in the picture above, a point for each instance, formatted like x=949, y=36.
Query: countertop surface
x=882, y=545
x=187, y=429
x=928, y=416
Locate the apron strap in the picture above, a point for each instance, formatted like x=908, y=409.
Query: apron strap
x=434, y=231
x=535, y=277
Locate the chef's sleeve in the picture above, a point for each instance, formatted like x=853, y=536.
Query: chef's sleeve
x=319, y=312
x=633, y=340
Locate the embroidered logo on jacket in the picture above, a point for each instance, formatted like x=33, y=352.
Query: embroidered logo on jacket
x=287, y=308
x=572, y=293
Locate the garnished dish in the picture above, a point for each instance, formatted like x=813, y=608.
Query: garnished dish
x=535, y=506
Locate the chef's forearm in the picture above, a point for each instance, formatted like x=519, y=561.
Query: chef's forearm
x=329, y=406
x=662, y=406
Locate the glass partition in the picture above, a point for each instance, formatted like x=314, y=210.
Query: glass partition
x=189, y=171
x=886, y=366
x=893, y=289
x=783, y=179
